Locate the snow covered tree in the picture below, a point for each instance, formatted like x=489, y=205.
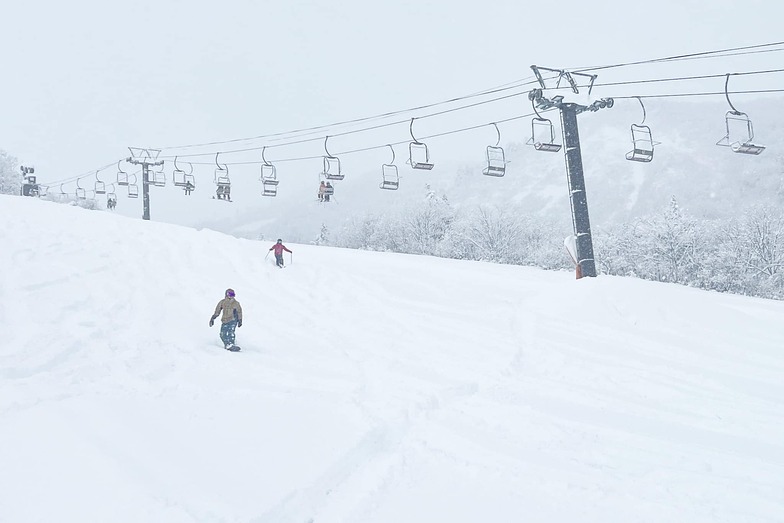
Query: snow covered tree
x=323, y=237
x=672, y=245
x=10, y=178
x=427, y=225
x=495, y=234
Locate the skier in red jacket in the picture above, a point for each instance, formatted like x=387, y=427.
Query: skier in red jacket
x=279, y=248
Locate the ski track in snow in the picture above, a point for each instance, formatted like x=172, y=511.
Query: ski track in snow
x=372, y=387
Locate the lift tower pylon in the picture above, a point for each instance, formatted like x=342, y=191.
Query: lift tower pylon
x=581, y=223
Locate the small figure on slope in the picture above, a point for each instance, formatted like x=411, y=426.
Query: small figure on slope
x=230, y=319
x=279, y=248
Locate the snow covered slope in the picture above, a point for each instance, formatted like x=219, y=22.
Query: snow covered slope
x=372, y=387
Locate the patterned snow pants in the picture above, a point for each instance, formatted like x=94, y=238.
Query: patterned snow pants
x=227, y=332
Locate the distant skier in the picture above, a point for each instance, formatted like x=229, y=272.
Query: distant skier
x=279, y=248
x=231, y=318
x=111, y=203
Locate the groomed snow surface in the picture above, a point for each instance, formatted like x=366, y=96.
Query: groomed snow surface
x=371, y=387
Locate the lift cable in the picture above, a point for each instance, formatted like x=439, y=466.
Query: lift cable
x=320, y=128
x=677, y=79
x=702, y=54
x=354, y=131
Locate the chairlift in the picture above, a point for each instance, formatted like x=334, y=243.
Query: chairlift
x=111, y=195
x=80, y=192
x=223, y=190
x=43, y=190
x=268, y=177
x=62, y=195
x=390, y=180
x=418, y=153
x=180, y=176
x=100, y=187
x=543, y=135
x=642, y=140
x=122, y=176
x=496, y=159
x=331, y=169
x=133, y=188
x=156, y=178
x=542, y=130
x=221, y=173
x=740, y=131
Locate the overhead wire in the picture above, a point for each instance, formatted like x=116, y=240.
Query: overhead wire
x=294, y=139
x=505, y=87
x=751, y=49
x=346, y=133
x=698, y=55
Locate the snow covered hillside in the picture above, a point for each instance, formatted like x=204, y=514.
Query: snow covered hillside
x=371, y=387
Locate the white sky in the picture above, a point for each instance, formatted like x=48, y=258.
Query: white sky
x=371, y=388
x=86, y=79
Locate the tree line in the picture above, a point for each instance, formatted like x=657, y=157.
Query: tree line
x=741, y=255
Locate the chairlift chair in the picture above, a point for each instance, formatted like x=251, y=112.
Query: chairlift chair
x=122, y=176
x=178, y=177
x=190, y=181
x=222, y=180
x=642, y=140
x=133, y=188
x=643, y=143
x=496, y=159
x=331, y=169
x=496, y=162
x=100, y=187
x=80, y=192
x=269, y=188
x=390, y=180
x=222, y=176
x=740, y=131
x=156, y=178
x=419, y=156
x=418, y=153
x=543, y=135
x=269, y=180
x=331, y=166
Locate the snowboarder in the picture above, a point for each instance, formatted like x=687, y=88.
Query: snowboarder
x=188, y=187
x=328, y=191
x=279, y=248
x=231, y=317
x=111, y=203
